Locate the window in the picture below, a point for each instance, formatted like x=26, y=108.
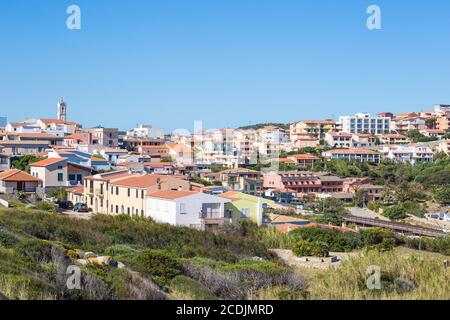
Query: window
x=117, y=209
x=129, y=193
x=117, y=191
x=137, y=193
x=71, y=177
x=246, y=212
x=60, y=177
x=142, y=194
x=79, y=177
x=60, y=167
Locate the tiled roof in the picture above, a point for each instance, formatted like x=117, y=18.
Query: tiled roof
x=230, y=195
x=17, y=175
x=352, y=151
x=47, y=162
x=171, y=194
x=305, y=156
x=77, y=189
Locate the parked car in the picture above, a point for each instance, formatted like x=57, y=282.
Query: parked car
x=68, y=205
x=80, y=207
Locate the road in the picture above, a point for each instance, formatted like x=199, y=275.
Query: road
x=366, y=213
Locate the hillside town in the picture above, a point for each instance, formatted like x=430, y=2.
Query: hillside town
x=210, y=178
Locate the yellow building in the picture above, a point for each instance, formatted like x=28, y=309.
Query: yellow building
x=314, y=128
x=121, y=192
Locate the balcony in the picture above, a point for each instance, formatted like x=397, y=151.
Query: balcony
x=99, y=192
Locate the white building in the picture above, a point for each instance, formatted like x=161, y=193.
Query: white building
x=365, y=123
x=146, y=131
x=187, y=208
x=408, y=153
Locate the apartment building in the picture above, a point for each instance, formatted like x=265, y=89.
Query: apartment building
x=108, y=137
x=300, y=141
x=364, y=140
x=408, y=153
x=124, y=192
x=305, y=161
x=22, y=148
x=364, y=123
x=433, y=133
x=50, y=139
x=235, y=179
x=393, y=139
x=146, y=131
x=407, y=121
x=338, y=140
x=443, y=121
x=359, y=155
x=303, y=182
x=314, y=128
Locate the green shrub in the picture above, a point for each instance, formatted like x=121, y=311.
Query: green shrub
x=191, y=288
x=159, y=264
x=305, y=248
x=397, y=212
x=37, y=251
x=45, y=206
x=7, y=240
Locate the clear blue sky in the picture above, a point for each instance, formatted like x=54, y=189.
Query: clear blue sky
x=226, y=62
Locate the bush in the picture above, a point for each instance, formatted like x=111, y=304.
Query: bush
x=45, y=206
x=159, y=264
x=337, y=241
x=37, y=251
x=305, y=248
x=397, y=212
x=191, y=288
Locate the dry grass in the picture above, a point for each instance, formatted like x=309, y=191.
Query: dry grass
x=431, y=281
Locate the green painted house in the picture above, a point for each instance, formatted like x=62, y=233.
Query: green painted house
x=245, y=206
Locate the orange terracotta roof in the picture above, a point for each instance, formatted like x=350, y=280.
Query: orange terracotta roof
x=340, y=134
x=47, y=162
x=56, y=121
x=77, y=189
x=230, y=195
x=97, y=159
x=394, y=136
x=305, y=156
x=171, y=194
x=159, y=164
x=13, y=175
x=154, y=147
x=352, y=151
x=138, y=181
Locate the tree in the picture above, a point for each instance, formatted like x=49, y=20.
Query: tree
x=23, y=163
x=360, y=198
x=395, y=212
x=167, y=160
x=442, y=195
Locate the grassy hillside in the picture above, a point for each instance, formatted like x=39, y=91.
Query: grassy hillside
x=164, y=262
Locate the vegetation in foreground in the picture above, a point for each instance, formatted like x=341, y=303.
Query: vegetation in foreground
x=165, y=262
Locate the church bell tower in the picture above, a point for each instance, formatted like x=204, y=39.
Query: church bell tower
x=62, y=110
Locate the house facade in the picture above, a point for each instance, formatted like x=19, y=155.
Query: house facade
x=187, y=208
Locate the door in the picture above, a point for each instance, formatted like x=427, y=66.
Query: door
x=20, y=186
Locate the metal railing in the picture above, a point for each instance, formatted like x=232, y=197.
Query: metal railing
x=398, y=226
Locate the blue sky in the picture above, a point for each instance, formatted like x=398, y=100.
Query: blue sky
x=226, y=62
